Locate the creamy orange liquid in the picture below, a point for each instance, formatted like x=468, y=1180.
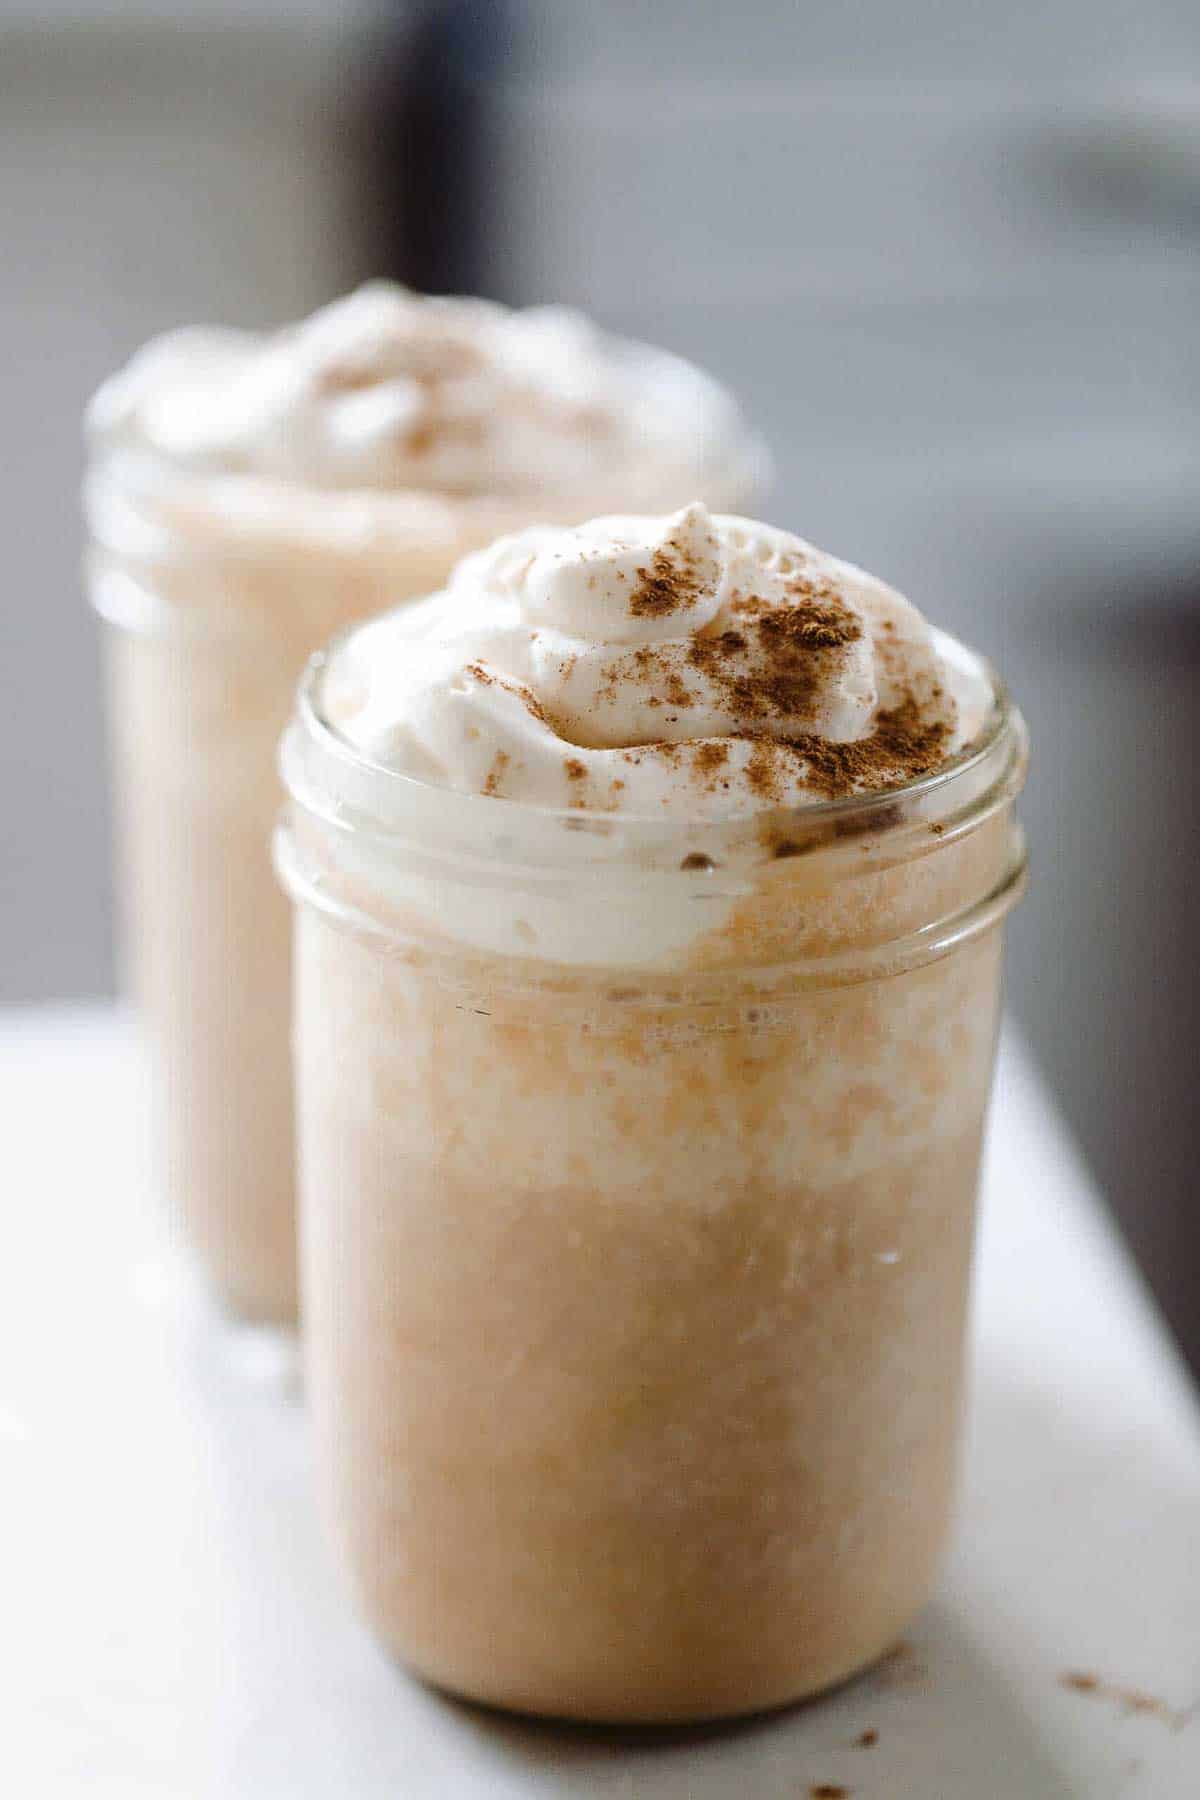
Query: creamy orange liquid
x=196, y=708
x=635, y=1330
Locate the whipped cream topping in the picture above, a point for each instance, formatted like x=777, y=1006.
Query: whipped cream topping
x=387, y=390
x=697, y=665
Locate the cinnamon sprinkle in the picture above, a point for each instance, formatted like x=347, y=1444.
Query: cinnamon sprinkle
x=773, y=664
x=903, y=747
x=710, y=756
x=677, y=691
x=767, y=667
x=819, y=616
x=420, y=438
x=495, y=774
x=525, y=695
x=1132, y=1701
x=673, y=582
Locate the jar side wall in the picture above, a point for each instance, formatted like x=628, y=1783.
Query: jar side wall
x=207, y=945
x=208, y=628
x=791, y=922
x=637, y=1352
x=156, y=568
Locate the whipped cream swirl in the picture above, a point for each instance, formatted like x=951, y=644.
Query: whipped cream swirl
x=703, y=665
x=387, y=390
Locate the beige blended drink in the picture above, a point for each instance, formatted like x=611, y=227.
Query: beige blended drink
x=650, y=883
x=247, y=497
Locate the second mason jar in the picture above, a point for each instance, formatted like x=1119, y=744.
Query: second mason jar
x=247, y=497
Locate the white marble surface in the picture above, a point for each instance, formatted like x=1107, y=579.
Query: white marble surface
x=171, y=1625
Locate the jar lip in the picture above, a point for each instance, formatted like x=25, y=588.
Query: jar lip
x=360, y=793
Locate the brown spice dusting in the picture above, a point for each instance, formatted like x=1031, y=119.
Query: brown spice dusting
x=768, y=671
x=903, y=747
x=829, y=1790
x=677, y=691
x=866, y=1740
x=774, y=665
x=532, y=704
x=525, y=695
x=673, y=582
x=495, y=774
x=763, y=769
x=664, y=748
x=420, y=438
x=709, y=756
x=1136, y=1702
x=1132, y=1701
x=818, y=613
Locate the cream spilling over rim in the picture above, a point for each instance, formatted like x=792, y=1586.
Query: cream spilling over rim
x=695, y=666
x=390, y=392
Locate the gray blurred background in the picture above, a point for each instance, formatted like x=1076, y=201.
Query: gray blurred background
x=949, y=253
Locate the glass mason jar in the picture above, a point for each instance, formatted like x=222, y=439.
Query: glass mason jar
x=215, y=589
x=638, y=1166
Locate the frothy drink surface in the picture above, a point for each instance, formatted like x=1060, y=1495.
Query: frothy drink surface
x=640, y=1107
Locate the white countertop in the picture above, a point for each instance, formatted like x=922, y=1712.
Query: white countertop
x=172, y=1626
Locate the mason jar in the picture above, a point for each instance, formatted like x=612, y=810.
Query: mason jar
x=638, y=1164
x=215, y=589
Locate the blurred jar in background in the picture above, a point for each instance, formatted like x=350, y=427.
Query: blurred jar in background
x=246, y=498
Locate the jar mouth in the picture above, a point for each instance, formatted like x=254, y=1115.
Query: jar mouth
x=338, y=782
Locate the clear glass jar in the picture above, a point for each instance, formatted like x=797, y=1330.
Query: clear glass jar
x=216, y=589
x=638, y=1167
x=213, y=606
